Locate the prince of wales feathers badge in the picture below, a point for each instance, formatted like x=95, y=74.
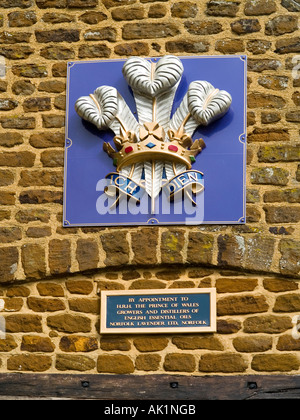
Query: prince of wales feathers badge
x=157, y=148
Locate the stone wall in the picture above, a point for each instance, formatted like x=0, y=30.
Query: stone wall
x=51, y=277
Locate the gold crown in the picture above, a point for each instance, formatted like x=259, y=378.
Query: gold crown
x=179, y=148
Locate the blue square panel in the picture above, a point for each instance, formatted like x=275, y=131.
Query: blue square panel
x=156, y=141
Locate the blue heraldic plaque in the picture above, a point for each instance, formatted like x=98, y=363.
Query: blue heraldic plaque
x=156, y=141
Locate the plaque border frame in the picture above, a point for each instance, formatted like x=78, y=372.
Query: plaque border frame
x=242, y=138
x=150, y=330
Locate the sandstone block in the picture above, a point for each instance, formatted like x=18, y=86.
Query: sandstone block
x=77, y=343
x=94, y=51
x=50, y=289
x=23, y=87
x=149, y=30
x=200, y=248
x=117, y=363
x=176, y=362
x=258, y=46
x=232, y=285
x=12, y=37
x=22, y=159
x=40, y=197
x=252, y=344
x=275, y=362
x=58, y=17
x=287, y=303
x=37, y=304
x=57, y=53
x=37, y=104
x=290, y=256
x=203, y=27
x=224, y=362
x=260, y=252
x=259, y=65
x=148, y=362
x=278, y=285
x=30, y=70
x=147, y=284
x=290, y=153
x=290, y=45
x=6, y=178
x=183, y=45
x=101, y=34
x=23, y=4
x=78, y=4
x=59, y=256
x=58, y=4
x=20, y=19
x=27, y=216
x=46, y=140
x=23, y=323
x=259, y=7
x=291, y=5
x=144, y=243
x=245, y=304
x=245, y=26
x=33, y=260
x=111, y=342
x=79, y=287
x=191, y=342
x=263, y=100
x=69, y=323
x=172, y=243
x=230, y=46
x=92, y=17
x=20, y=123
x=57, y=35
x=74, y=362
x=20, y=291
x=130, y=13
x=41, y=178
x=7, y=198
x=52, y=158
x=281, y=25
x=288, y=343
x=91, y=306
x=228, y=326
x=8, y=344
x=269, y=176
x=231, y=250
x=10, y=234
x=287, y=214
x=132, y=49
x=150, y=343
x=112, y=3
x=29, y=363
x=157, y=11
x=53, y=121
x=293, y=116
x=184, y=10
x=270, y=324
x=222, y=8
x=87, y=254
x=33, y=343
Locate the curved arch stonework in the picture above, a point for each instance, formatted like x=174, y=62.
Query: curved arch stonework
x=51, y=277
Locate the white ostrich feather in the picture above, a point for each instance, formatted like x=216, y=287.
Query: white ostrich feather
x=206, y=103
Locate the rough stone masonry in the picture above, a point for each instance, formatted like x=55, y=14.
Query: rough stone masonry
x=51, y=277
